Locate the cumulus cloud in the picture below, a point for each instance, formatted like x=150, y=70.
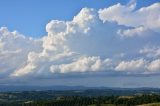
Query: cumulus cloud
x=139, y=66
x=125, y=15
x=56, y=50
x=90, y=42
x=138, y=31
x=152, y=52
x=83, y=64
x=14, y=50
x=132, y=65
x=154, y=66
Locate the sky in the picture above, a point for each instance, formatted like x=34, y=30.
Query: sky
x=111, y=43
x=30, y=17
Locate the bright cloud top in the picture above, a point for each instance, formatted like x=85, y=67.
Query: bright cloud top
x=92, y=41
x=148, y=17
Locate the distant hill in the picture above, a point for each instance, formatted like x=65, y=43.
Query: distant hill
x=88, y=90
x=5, y=88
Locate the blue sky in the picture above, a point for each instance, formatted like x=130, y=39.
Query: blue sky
x=29, y=17
x=112, y=43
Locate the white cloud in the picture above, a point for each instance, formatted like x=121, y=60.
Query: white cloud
x=149, y=17
x=154, y=66
x=14, y=50
x=83, y=44
x=153, y=52
x=133, y=65
x=86, y=17
x=139, y=66
x=57, y=50
x=83, y=64
x=138, y=31
x=56, y=27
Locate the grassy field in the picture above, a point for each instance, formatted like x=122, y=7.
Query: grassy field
x=151, y=104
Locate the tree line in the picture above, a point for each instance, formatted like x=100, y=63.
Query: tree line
x=86, y=101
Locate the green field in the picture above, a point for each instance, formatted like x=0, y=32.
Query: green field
x=78, y=98
x=151, y=104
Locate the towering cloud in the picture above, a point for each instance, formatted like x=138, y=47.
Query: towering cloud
x=90, y=42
